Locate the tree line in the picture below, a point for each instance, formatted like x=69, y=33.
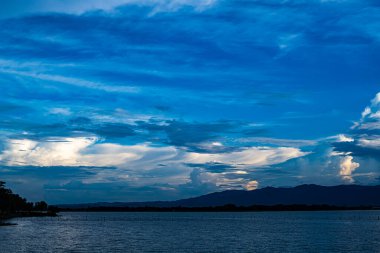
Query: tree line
x=11, y=202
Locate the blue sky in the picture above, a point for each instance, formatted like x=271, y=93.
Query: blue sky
x=129, y=100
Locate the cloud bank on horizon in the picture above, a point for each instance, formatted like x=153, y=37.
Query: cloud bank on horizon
x=128, y=100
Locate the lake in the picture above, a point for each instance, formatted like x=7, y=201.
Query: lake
x=341, y=231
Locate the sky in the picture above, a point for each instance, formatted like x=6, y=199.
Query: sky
x=128, y=100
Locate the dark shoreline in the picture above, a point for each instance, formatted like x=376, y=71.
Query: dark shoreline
x=7, y=216
x=226, y=208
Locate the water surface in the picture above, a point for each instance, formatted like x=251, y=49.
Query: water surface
x=345, y=231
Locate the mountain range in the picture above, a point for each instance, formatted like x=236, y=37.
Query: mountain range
x=341, y=195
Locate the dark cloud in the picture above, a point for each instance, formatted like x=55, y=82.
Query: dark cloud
x=114, y=130
x=190, y=134
x=74, y=127
x=66, y=185
x=59, y=173
x=161, y=172
x=355, y=149
x=196, y=185
x=193, y=136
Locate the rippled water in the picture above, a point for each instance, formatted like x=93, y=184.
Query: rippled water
x=356, y=231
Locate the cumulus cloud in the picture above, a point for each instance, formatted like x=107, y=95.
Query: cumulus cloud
x=363, y=143
x=347, y=167
x=64, y=152
x=364, y=134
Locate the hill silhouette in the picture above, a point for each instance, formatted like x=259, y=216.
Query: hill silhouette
x=303, y=197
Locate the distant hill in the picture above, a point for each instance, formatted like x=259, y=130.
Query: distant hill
x=342, y=195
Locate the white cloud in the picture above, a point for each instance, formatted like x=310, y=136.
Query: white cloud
x=347, y=167
x=86, y=152
x=253, y=157
x=343, y=138
x=82, y=151
x=130, y=162
x=240, y=172
x=336, y=153
x=363, y=137
x=376, y=100
x=373, y=142
x=370, y=119
x=366, y=112
x=138, y=157
x=60, y=111
x=74, y=81
x=63, y=152
x=252, y=185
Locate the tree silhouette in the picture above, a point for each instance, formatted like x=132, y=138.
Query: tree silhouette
x=40, y=206
x=12, y=205
x=10, y=202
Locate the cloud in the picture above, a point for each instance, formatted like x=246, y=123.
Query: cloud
x=278, y=142
x=143, y=164
x=74, y=81
x=370, y=119
x=343, y=138
x=80, y=151
x=27, y=7
x=213, y=167
x=359, y=148
x=364, y=134
x=252, y=185
x=249, y=157
x=62, y=111
x=110, y=130
x=62, y=152
x=372, y=142
x=235, y=170
x=31, y=182
x=194, y=136
x=87, y=151
x=135, y=157
x=347, y=167
x=361, y=143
